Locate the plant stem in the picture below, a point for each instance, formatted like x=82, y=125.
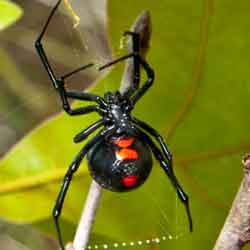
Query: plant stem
x=236, y=230
x=88, y=216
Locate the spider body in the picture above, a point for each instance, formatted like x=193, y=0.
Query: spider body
x=118, y=111
x=121, y=162
x=119, y=154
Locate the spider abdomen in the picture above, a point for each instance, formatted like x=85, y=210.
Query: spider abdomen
x=120, y=163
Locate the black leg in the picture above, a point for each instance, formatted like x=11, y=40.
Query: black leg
x=136, y=61
x=82, y=96
x=156, y=135
x=43, y=56
x=68, y=177
x=76, y=71
x=136, y=51
x=86, y=132
x=136, y=94
x=150, y=74
x=116, y=61
x=167, y=167
x=58, y=83
x=40, y=50
x=82, y=110
x=79, y=96
x=86, y=97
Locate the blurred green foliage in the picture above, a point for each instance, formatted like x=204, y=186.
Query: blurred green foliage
x=9, y=13
x=199, y=102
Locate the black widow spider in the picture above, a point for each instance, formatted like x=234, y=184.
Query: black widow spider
x=119, y=155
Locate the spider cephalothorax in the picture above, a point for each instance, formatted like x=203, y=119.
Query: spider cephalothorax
x=118, y=110
x=120, y=154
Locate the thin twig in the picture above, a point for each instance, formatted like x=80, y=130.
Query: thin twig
x=87, y=218
x=142, y=26
x=236, y=230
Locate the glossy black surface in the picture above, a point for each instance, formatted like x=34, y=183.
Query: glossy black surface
x=108, y=170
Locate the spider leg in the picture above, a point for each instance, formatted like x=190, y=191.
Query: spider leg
x=86, y=97
x=68, y=177
x=81, y=110
x=86, y=132
x=64, y=94
x=156, y=135
x=40, y=50
x=122, y=58
x=58, y=83
x=147, y=84
x=167, y=167
x=43, y=56
x=136, y=61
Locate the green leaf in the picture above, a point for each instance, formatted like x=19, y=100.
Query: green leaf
x=199, y=103
x=9, y=13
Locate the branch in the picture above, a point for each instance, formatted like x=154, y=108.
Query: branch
x=87, y=218
x=142, y=26
x=236, y=231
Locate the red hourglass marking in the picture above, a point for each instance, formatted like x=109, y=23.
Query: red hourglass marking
x=129, y=181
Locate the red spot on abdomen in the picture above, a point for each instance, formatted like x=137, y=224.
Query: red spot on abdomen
x=124, y=142
x=129, y=181
x=127, y=154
